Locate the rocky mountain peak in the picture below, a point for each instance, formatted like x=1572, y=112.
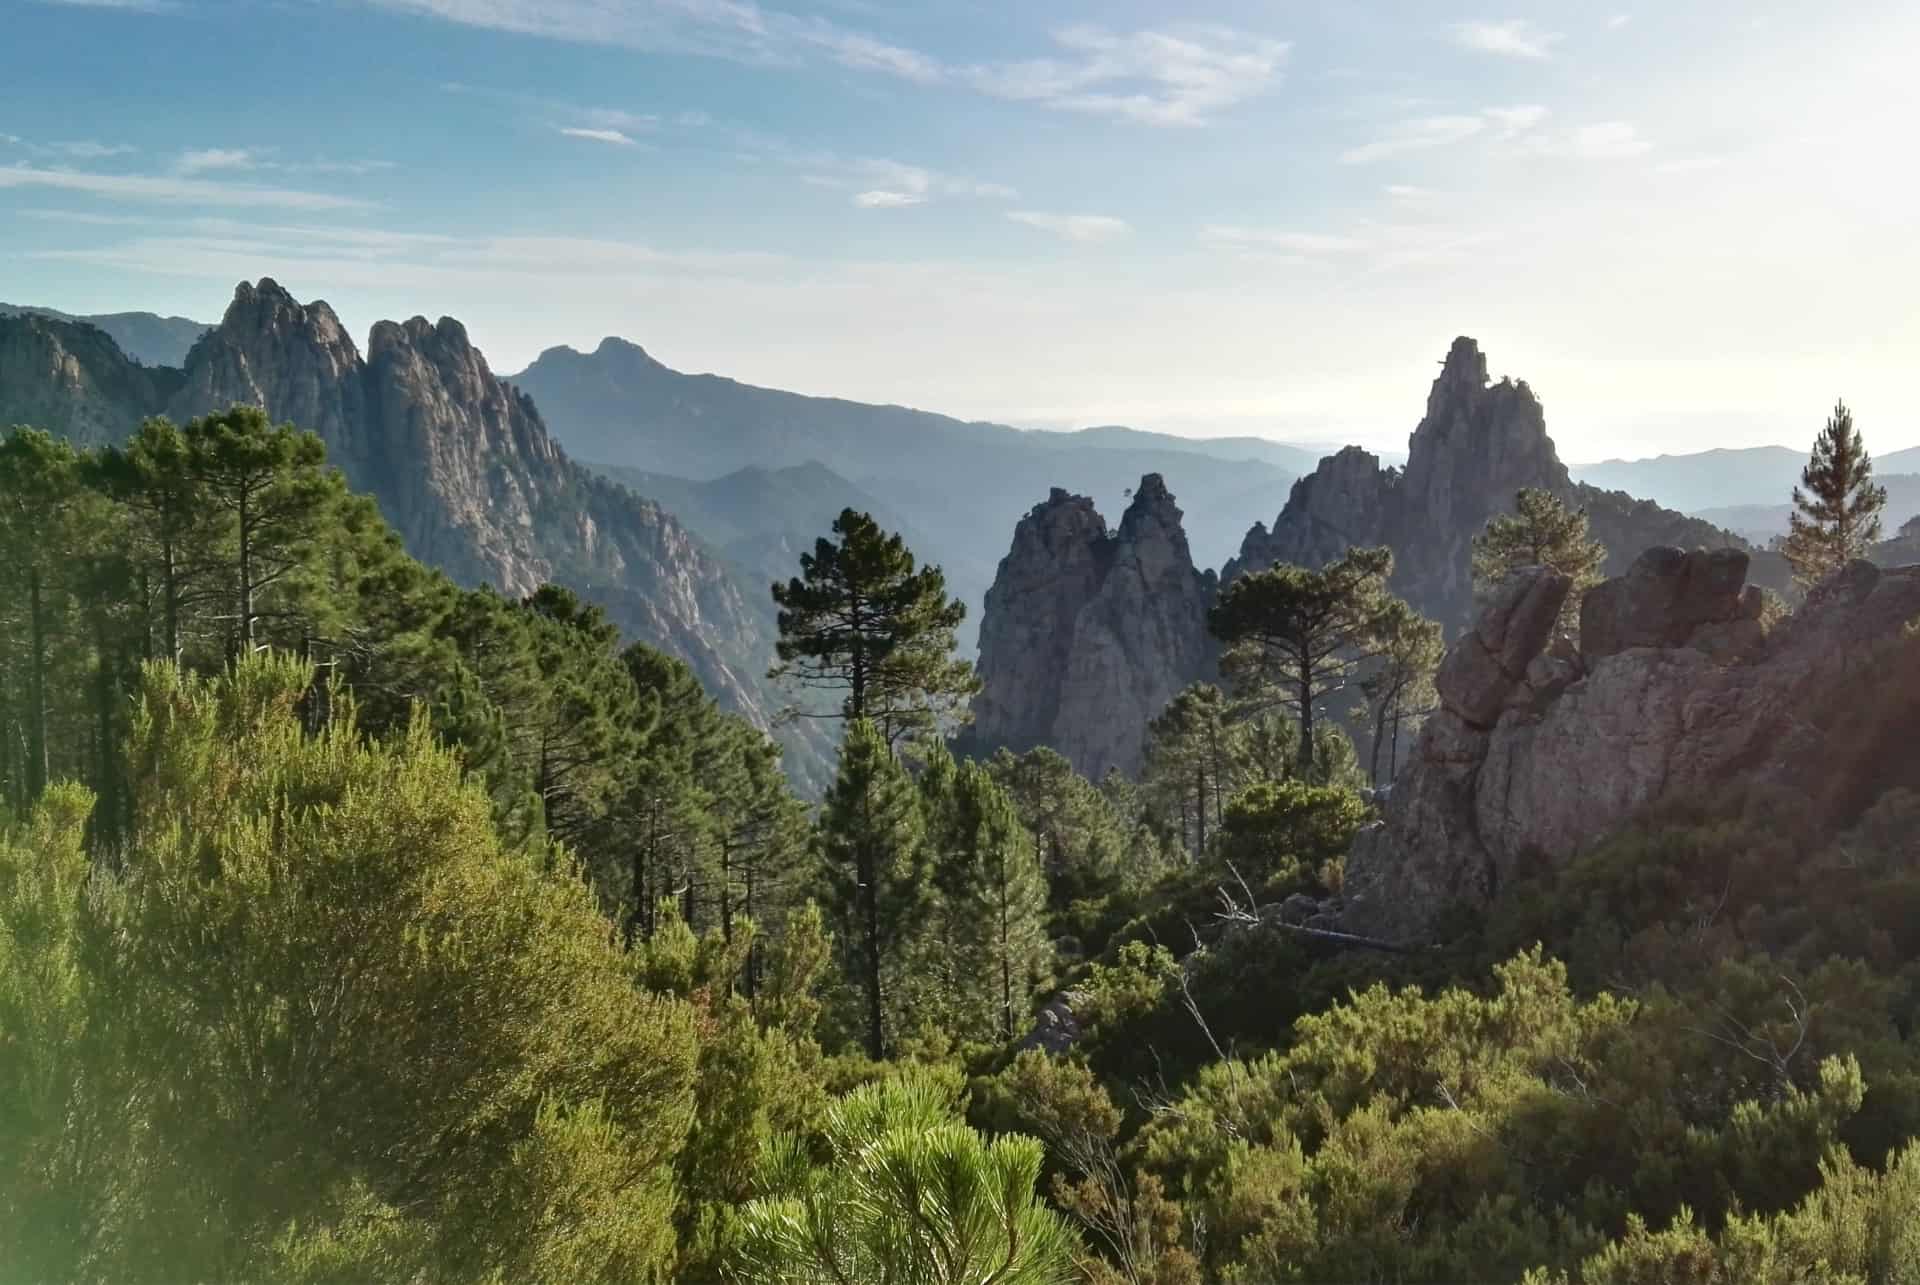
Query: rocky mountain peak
x=1088, y=633
x=294, y=360
x=1463, y=373
x=1478, y=444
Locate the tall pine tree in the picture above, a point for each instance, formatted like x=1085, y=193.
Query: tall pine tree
x=993, y=893
x=872, y=868
x=863, y=619
x=1836, y=518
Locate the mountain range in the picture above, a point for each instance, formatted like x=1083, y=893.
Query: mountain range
x=702, y=490
x=965, y=483
x=1719, y=479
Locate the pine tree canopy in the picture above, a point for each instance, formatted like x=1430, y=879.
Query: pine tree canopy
x=861, y=618
x=1296, y=636
x=1836, y=507
x=1542, y=531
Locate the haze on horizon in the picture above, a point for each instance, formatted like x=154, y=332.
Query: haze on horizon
x=1687, y=226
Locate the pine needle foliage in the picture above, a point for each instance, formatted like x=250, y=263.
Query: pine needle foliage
x=862, y=617
x=908, y=1195
x=1542, y=531
x=1836, y=507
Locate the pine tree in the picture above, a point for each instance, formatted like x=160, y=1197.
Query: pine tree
x=330, y=1028
x=993, y=894
x=861, y=619
x=277, y=499
x=39, y=546
x=872, y=868
x=1836, y=518
x=1079, y=838
x=172, y=527
x=1540, y=532
x=1297, y=637
x=1400, y=687
x=1189, y=767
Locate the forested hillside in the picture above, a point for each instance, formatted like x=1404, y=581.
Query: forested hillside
x=356, y=926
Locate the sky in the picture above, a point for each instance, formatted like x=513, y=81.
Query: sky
x=1686, y=225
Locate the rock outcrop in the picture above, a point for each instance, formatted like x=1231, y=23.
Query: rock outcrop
x=71, y=378
x=1477, y=445
x=1088, y=634
x=1677, y=691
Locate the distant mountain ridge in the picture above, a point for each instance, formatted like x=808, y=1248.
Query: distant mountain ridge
x=147, y=337
x=965, y=483
x=762, y=520
x=1722, y=478
x=1761, y=522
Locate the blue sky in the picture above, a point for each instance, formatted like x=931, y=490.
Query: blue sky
x=1686, y=224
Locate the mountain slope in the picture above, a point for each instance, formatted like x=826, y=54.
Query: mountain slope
x=148, y=338
x=71, y=378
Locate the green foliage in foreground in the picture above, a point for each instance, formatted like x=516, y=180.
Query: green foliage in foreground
x=320, y=1024
x=906, y=1194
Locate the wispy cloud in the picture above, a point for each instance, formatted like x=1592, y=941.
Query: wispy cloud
x=875, y=182
x=1607, y=141
x=1618, y=21
x=1415, y=135
x=614, y=136
x=1305, y=245
x=1074, y=227
x=174, y=189
x=1423, y=132
x=1514, y=38
x=1515, y=121
x=1174, y=77
x=1178, y=75
x=214, y=158
x=205, y=160
x=85, y=149
x=1604, y=141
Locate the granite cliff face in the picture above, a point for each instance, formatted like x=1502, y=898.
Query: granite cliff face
x=1676, y=691
x=460, y=463
x=71, y=378
x=1088, y=634
x=1477, y=445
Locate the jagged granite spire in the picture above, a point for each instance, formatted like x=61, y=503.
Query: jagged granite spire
x=1477, y=445
x=1087, y=633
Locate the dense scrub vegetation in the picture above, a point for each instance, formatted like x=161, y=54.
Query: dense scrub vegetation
x=356, y=926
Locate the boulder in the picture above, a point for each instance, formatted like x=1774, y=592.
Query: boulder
x=1677, y=693
x=1665, y=598
x=1480, y=672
